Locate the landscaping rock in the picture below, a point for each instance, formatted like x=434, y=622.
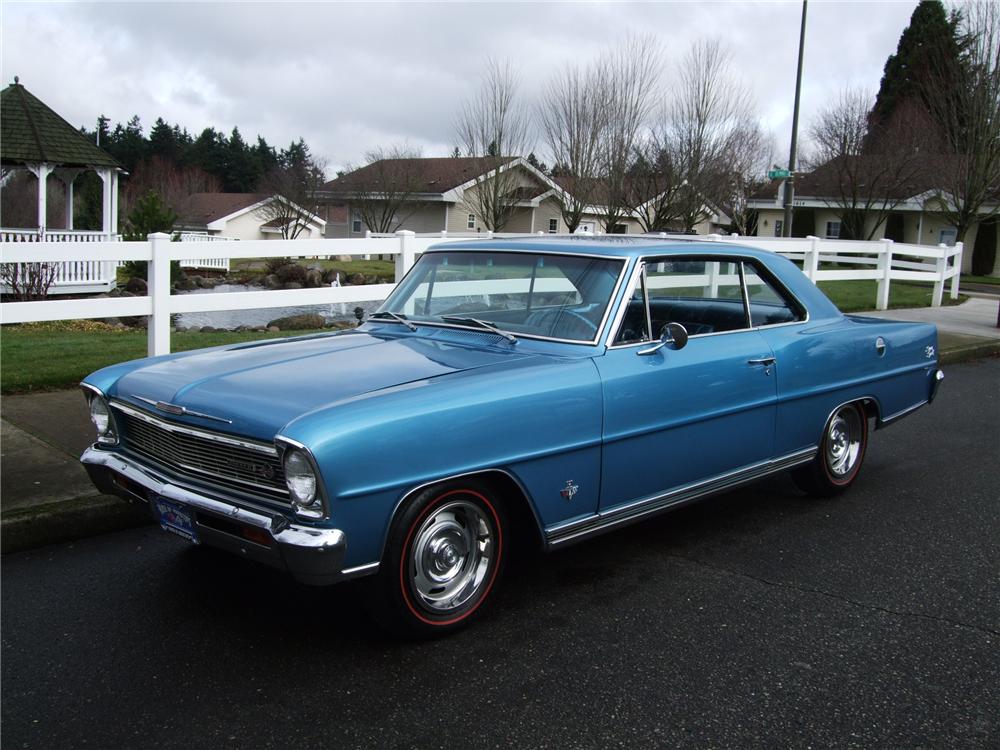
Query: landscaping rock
x=205, y=283
x=273, y=329
x=343, y=258
x=186, y=284
x=271, y=281
x=207, y=329
x=358, y=279
x=291, y=272
x=292, y=285
x=136, y=285
x=297, y=322
x=314, y=278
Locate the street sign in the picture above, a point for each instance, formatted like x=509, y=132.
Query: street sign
x=778, y=174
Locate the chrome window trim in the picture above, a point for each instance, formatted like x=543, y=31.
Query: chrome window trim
x=535, y=337
x=623, y=306
x=196, y=432
x=281, y=442
x=636, y=510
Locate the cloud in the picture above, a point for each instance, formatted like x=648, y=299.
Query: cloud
x=348, y=77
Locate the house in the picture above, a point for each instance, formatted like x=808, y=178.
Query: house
x=913, y=217
x=246, y=216
x=439, y=194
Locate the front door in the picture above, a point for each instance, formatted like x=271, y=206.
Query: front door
x=680, y=417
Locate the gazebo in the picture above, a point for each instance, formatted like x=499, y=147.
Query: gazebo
x=35, y=138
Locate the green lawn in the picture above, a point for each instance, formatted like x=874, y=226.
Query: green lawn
x=857, y=296
x=972, y=279
x=43, y=357
x=384, y=268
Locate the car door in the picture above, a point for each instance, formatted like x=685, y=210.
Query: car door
x=675, y=418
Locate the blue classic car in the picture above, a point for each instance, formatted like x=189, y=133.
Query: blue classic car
x=552, y=389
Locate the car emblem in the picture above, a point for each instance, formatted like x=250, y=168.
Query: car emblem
x=181, y=411
x=929, y=352
x=259, y=470
x=569, y=490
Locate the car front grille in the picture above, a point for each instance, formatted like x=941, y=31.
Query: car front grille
x=217, y=460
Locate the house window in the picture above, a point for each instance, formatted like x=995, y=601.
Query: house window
x=356, y=222
x=619, y=229
x=472, y=221
x=833, y=230
x=779, y=225
x=553, y=226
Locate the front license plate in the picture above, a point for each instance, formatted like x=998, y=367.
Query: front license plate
x=176, y=518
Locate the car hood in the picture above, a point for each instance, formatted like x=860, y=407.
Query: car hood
x=260, y=387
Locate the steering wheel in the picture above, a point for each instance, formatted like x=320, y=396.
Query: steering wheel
x=579, y=320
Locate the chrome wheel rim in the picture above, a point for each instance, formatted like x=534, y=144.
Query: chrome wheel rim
x=843, y=442
x=451, y=556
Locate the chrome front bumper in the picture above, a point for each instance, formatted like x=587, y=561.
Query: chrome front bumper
x=311, y=555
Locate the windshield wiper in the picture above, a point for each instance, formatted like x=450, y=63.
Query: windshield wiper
x=394, y=316
x=482, y=324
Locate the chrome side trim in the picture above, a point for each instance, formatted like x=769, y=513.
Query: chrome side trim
x=360, y=570
x=604, y=521
x=886, y=421
x=183, y=429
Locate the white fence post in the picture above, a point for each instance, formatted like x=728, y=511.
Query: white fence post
x=885, y=275
x=941, y=268
x=405, y=258
x=957, y=264
x=810, y=263
x=158, y=335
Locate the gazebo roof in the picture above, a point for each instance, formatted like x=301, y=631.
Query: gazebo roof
x=31, y=132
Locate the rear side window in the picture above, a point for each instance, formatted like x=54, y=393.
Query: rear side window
x=769, y=303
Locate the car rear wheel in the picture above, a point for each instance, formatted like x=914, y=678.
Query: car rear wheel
x=443, y=560
x=841, y=453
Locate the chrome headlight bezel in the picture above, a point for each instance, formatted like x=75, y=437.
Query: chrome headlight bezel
x=101, y=415
x=310, y=505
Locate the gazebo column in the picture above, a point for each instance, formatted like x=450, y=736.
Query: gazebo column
x=41, y=171
x=109, y=202
x=68, y=176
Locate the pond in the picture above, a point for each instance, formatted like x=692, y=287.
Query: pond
x=230, y=319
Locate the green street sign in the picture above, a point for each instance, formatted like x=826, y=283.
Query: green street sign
x=778, y=174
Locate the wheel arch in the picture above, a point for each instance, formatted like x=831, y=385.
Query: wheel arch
x=524, y=518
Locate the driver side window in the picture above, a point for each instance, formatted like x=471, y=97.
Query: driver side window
x=704, y=295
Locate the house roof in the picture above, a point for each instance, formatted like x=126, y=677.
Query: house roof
x=824, y=181
x=32, y=132
x=435, y=175
x=201, y=209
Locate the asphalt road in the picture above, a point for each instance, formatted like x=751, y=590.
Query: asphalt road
x=760, y=618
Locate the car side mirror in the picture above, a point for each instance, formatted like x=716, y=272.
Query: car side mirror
x=672, y=334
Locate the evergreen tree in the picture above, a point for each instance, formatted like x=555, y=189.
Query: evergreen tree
x=241, y=175
x=163, y=140
x=931, y=43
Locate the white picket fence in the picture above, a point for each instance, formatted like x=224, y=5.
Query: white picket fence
x=883, y=261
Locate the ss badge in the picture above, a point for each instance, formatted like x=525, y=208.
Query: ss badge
x=569, y=490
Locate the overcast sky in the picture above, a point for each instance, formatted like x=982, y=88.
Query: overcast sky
x=351, y=76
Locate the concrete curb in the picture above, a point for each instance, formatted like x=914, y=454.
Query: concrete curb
x=67, y=521
x=955, y=355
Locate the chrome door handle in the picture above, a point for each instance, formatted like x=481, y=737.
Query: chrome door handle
x=766, y=361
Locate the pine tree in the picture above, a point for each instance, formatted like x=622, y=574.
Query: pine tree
x=929, y=44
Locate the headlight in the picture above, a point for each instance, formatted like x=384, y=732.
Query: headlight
x=100, y=415
x=301, y=480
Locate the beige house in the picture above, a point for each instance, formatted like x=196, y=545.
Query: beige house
x=915, y=218
x=244, y=216
x=439, y=196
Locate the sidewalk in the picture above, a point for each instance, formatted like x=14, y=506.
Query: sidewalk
x=46, y=496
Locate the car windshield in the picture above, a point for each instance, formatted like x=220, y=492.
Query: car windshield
x=526, y=294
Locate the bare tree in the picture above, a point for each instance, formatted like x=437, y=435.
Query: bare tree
x=751, y=154
x=867, y=178
x=970, y=189
x=572, y=121
x=28, y=281
x=626, y=80
x=704, y=128
x=493, y=127
x=383, y=194
x=171, y=182
x=295, y=186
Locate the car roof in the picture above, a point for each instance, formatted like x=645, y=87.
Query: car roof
x=611, y=245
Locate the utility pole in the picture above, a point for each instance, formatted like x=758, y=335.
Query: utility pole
x=786, y=227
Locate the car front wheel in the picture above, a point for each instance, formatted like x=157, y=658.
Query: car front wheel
x=841, y=452
x=443, y=560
